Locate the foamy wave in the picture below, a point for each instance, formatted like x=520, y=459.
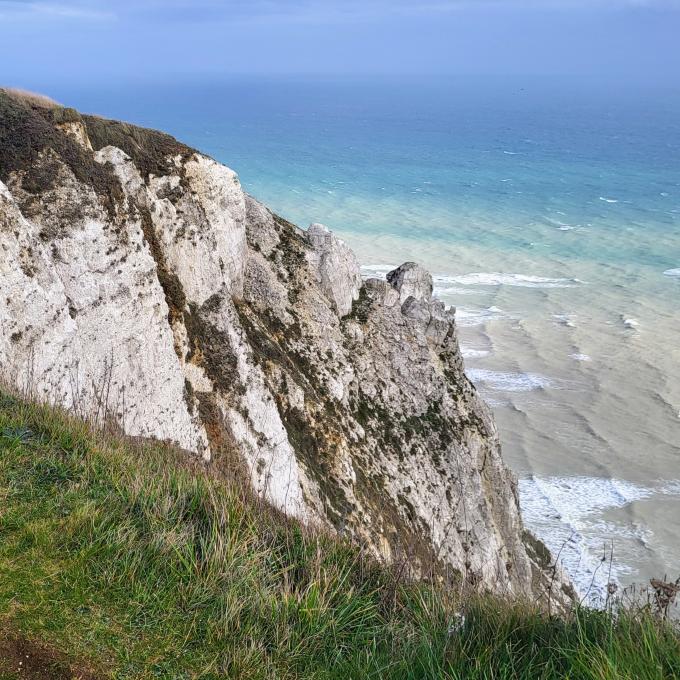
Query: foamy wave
x=471, y=316
x=443, y=285
x=608, y=200
x=472, y=353
x=377, y=271
x=672, y=272
x=576, y=498
x=446, y=284
x=671, y=488
x=502, y=381
x=500, y=279
x=454, y=290
x=565, y=512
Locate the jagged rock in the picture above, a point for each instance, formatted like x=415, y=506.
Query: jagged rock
x=411, y=280
x=337, y=266
x=140, y=271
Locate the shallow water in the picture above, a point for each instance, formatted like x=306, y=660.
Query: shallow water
x=549, y=216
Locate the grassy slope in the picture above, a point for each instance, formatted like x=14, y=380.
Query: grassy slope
x=139, y=564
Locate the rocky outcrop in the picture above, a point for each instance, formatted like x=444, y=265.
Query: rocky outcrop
x=336, y=266
x=140, y=283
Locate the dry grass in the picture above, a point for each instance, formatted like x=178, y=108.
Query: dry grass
x=32, y=98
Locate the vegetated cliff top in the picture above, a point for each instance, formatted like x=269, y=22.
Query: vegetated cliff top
x=34, y=99
x=30, y=123
x=126, y=559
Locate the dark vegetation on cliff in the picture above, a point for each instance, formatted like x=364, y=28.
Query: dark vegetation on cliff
x=122, y=559
x=27, y=130
x=32, y=139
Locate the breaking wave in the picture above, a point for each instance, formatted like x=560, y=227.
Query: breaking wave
x=567, y=514
x=503, y=381
x=472, y=316
x=376, y=271
x=501, y=279
x=472, y=353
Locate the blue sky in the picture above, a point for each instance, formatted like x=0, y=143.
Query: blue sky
x=84, y=40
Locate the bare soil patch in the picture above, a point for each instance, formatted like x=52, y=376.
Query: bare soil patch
x=23, y=658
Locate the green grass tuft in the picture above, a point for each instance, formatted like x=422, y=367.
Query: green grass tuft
x=136, y=562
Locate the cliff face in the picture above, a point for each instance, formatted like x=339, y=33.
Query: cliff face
x=139, y=283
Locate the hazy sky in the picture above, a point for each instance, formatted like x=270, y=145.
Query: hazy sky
x=84, y=40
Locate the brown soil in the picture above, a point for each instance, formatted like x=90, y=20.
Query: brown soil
x=22, y=658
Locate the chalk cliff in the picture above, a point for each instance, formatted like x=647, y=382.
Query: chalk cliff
x=139, y=283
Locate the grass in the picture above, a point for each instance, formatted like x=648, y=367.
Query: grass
x=33, y=98
x=132, y=561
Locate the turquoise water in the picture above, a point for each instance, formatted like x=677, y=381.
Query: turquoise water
x=550, y=216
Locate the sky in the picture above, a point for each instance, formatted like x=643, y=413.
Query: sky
x=81, y=41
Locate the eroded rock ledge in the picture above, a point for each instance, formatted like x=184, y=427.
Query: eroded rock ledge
x=138, y=279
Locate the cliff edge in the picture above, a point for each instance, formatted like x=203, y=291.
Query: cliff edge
x=139, y=284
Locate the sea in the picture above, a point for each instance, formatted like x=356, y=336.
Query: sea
x=548, y=211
